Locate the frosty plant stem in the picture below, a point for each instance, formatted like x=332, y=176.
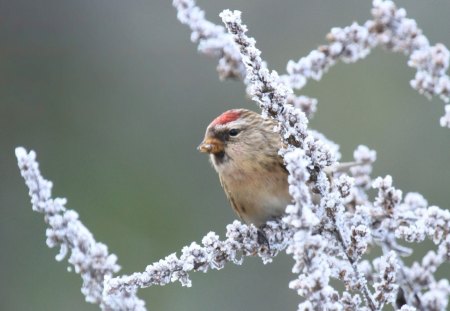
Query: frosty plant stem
x=90, y=259
x=389, y=28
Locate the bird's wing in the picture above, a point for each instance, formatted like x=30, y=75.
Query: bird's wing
x=281, y=163
x=235, y=207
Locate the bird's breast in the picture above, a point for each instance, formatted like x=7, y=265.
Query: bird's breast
x=257, y=192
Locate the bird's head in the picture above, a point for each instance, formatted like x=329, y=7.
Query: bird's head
x=239, y=134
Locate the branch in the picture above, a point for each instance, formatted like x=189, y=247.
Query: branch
x=212, y=39
x=242, y=240
x=389, y=28
x=89, y=259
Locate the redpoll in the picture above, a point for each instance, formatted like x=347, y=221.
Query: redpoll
x=243, y=148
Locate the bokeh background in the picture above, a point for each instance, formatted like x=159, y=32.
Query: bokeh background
x=114, y=98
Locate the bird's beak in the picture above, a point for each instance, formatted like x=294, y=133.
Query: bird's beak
x=211, y=145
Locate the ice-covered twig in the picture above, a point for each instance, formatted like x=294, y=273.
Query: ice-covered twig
x=389, y=28
x=212, y=39
x=386, y=288
x=90, y=259
x=242, y=240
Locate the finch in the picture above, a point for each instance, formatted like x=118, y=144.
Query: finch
x=243, y=149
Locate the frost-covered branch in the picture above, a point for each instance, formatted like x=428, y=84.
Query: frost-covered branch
x=212, y=39
x=242, y=240
x=389, y=28
x=89, y=259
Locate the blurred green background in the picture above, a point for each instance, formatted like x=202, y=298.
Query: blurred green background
x=114, y=98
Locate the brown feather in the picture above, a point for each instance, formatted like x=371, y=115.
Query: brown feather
x=251, y=171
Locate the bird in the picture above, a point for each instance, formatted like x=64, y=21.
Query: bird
x=243, y=149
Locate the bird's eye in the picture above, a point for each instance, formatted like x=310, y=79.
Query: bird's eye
x=233, y=132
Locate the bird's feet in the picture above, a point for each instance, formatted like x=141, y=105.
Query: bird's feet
x=262, y=239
